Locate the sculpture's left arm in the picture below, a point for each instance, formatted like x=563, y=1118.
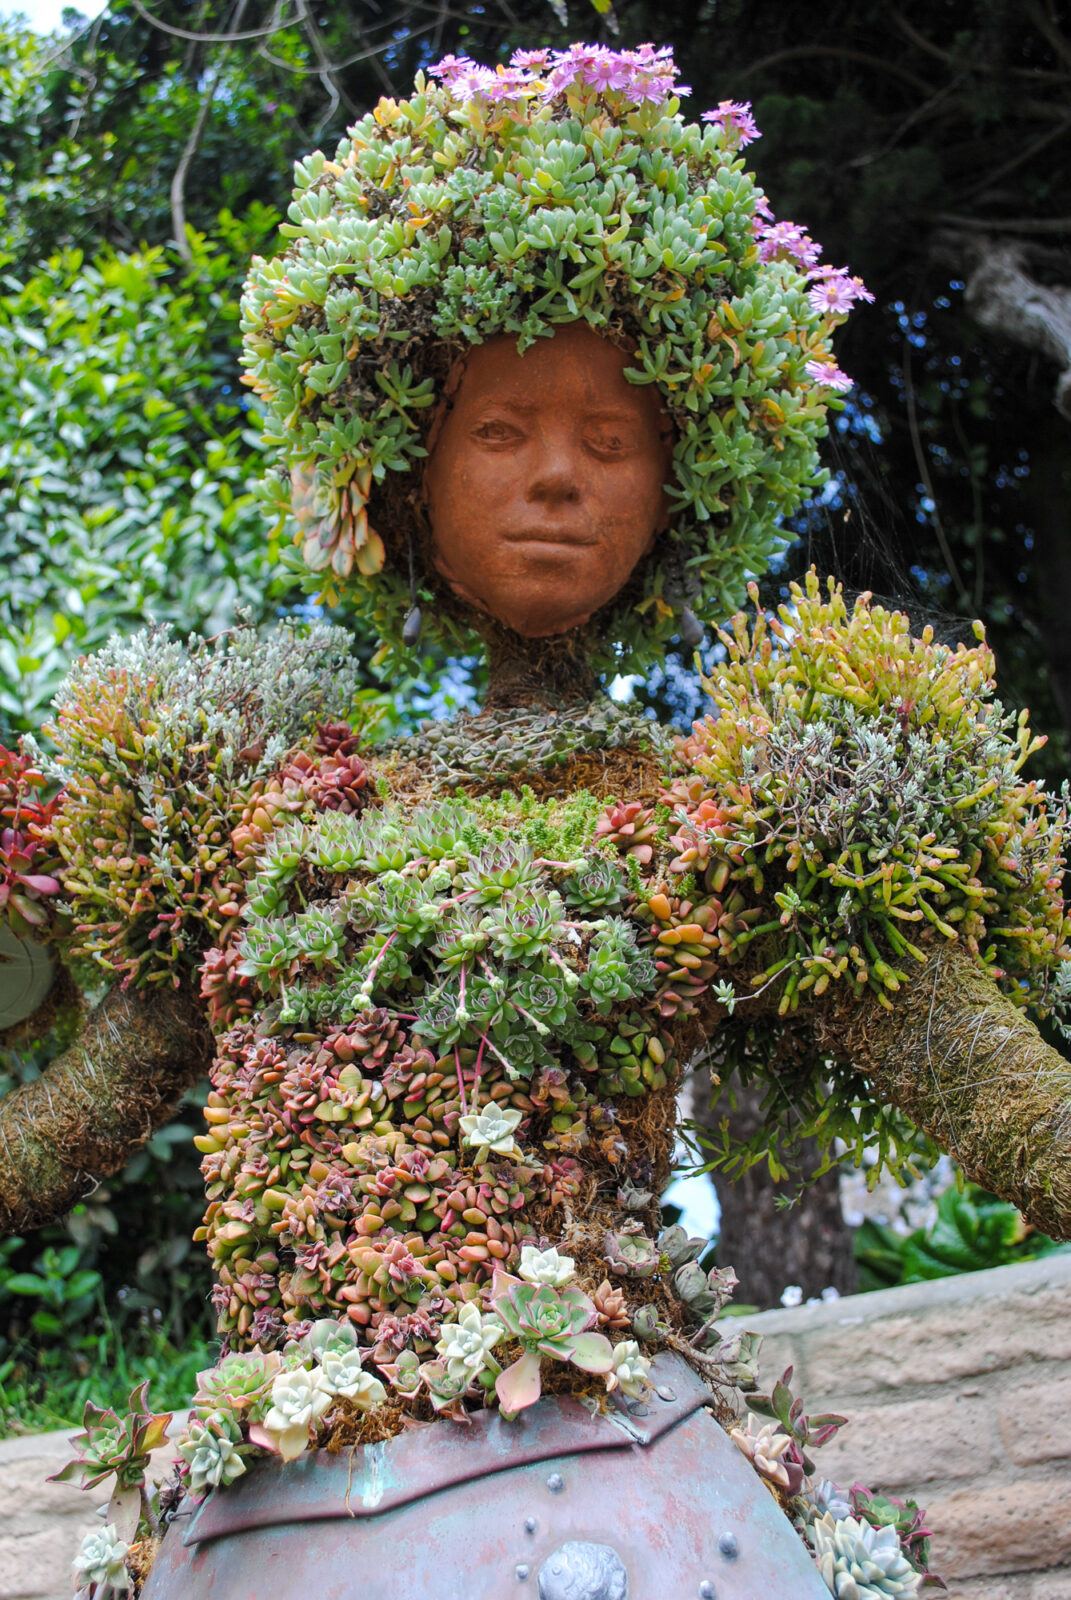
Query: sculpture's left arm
x=972, y=1070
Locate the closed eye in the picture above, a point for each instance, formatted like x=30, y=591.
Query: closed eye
x=610, y=442
x=495, y=431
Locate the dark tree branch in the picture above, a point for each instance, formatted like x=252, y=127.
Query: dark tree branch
x=274, y=26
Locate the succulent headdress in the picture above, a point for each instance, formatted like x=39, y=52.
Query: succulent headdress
x=563, y=187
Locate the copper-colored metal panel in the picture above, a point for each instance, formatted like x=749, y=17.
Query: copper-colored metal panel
x=651, y=1503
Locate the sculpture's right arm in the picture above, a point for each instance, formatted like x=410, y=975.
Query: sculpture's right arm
x=102, y=1098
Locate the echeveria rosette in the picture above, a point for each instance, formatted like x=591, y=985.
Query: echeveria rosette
x=860, y=1562
x=548, y=1322
x=100, y=1565
x=299, y=1399
x=465, y=1345
x=238, y=1386
x=110, y=1443
x=509, y=201
x=210, y=1449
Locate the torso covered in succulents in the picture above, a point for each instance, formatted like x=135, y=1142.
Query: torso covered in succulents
x=448, y=1030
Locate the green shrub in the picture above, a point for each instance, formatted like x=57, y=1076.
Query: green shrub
x=125, y=455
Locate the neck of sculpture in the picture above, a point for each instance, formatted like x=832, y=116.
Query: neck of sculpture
x=554, y=672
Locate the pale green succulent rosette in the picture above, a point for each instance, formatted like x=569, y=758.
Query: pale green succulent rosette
x=512, y=201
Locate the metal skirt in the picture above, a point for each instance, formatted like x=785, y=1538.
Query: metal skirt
x=651, y=1501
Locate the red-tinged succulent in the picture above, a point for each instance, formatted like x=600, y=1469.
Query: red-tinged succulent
x=805, y=1432
x=632, y=828
x=113, y=1444
x=550, y=1323
x=906, y=1516
x=28, y=861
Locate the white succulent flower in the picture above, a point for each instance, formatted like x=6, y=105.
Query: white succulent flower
x=764, y=1444
x=101, y=1561
x=858, y=1562
x=631, y=1370
x=213, y=1459
x=464, y=1344
x=492, y=1129
x=298, y=1399
x=343, y=1375
x=545, y=1266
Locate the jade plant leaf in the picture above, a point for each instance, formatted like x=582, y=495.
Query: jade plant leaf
x=26, y=974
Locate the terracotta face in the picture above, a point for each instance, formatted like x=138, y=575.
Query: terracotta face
x=544, y=481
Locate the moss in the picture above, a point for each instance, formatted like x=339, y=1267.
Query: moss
x=100, y=1100
x=965, y=1064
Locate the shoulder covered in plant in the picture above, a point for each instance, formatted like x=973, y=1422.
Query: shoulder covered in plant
x=850, y=862
x=176, y=764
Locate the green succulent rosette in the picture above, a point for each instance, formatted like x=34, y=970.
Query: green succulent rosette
x=561, y=188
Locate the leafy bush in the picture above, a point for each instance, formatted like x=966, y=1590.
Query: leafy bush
x=125, y=457
x=973, y=1230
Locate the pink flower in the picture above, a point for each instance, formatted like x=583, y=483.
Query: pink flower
x=506, y=83
x=646, y=53
x=656, y=87
x=608, y=71
x=734, y=119
x=763, y=210
x=533, y=60
x=471, y=82
x=449, y=67
x=829, y=375
x=782, y=241
x=834, y=292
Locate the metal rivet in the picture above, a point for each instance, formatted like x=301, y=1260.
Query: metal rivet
x=706, y=1590
x=636, y=1408
x=729, y=1546
x=555, y=1483
x=666, y=1393
x=530, y=1524
x=522, y=1571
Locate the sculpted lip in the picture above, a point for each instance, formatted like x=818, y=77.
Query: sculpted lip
x=559, y=537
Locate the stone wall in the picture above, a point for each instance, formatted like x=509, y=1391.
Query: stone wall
x=959, y=1391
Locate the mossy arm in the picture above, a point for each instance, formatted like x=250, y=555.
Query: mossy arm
x=98, y=1102
x=973, y=1071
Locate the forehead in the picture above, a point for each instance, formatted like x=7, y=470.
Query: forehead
x=575, y=367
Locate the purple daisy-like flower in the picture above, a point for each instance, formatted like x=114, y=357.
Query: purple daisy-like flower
x=559, y=79
x=648, y=52
x=780, y=241
x=608, y=71
x=834, y=291
x=529, y=60
x=506, y=83
x=829, y=375
x=659, y=86
x=471, y=82
x=449, y=67
x=735, y=120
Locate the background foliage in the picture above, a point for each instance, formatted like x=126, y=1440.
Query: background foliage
x=144, y=155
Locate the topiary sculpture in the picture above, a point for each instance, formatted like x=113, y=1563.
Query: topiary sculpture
x=540, y=366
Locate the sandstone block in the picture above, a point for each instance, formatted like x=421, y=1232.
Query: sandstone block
x=1014, y=1527
x=912, y=1443
x=1035, y=1421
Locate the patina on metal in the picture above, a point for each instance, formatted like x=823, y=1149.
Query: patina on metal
x=561, y=1504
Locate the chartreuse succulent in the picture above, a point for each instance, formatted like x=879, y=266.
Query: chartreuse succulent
x=508, y=202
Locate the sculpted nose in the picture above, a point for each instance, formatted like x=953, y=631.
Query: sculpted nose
x=556, y=481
